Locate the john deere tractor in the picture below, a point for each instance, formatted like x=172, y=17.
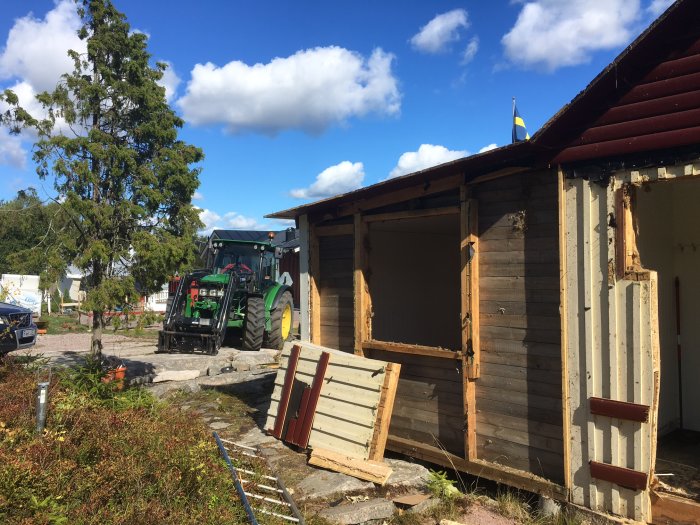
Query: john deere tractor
x=240, y=291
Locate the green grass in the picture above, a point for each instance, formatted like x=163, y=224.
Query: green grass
x=63, y=324
x=106, y=458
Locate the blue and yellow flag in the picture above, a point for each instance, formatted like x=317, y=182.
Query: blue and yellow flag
x=519, y=131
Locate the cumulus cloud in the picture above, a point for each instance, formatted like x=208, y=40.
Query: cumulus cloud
x=228, y=221
x=198, y=196
x=488, y=148
x=427, y=156
x=309, y=91
x=341, y=178
x=37, y=50
x=11, y=151
x=550, y=34
x=170, y=81
x=436, y=35
x=471, y=50
x=659, y=6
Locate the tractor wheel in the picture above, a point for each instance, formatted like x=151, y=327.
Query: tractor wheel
x=254, y=325
x=281, y=321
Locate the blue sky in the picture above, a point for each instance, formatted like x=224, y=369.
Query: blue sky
x=296, y=101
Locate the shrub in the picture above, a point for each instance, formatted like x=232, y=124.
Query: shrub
x=106, y=457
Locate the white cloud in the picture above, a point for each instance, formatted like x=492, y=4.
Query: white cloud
x=170, y=81
x=309, y=90
x=427, y=156
x=441, y=31
x=198, y=196
x=37, y=50
x=488, y=148
x=229, y=221
x=341, y=178
x=11, y=151
x=550, y=34
x=471, y=50
x=659, y=6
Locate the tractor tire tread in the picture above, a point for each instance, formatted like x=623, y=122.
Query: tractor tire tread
x=254, y=325
x=275, y=339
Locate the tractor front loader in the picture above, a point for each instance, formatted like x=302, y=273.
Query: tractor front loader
x=238, y=291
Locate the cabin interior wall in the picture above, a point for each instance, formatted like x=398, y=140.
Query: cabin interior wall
x=667, y=217
x=414, y=281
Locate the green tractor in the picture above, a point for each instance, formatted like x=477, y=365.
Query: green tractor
x=239, y=291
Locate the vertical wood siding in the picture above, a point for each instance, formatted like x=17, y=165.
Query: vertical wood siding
x=612, y=342
x=336, y=291
x=519, y=393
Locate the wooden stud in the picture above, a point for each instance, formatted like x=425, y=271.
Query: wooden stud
x=566, y=413
x=373, y=471
x=402, y=348
x=467, y=285
x=473, y=370
x=361, y=291
x=412, y=214
x=314, y=292
x=667, y=508
x=384, y=411
x=334, y=229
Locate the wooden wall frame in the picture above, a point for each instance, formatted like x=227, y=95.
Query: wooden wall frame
x=363, y=299
x=314, y=292
x=469, y=294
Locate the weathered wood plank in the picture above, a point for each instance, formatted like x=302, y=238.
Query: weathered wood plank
x=526, y=295
x=385, y=411
x=402, y=348
x=517, y=244
x=549, y=282
x=484, y=405
x=368, y=470
x=519, y=308
x=520, y=424
x=533, y=401
x=551, y=376
x=520, y=321
x=543, y=463
x=520, y=437
x=539, y=335
x=506, y=346
x=526, y=361
x=524, y=386
x=519, y=269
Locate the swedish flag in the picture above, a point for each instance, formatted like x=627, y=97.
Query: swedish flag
x=519, y=131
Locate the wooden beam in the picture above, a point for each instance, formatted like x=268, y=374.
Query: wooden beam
x=384, y=411
x=467, y=285
x=492, y=471
x=401, y=348
x=500, y=173
x=368, y=470
x=412, y=214
x=624, y=477
x=362, y=306
x=314, y=292
x=286, y=392
x=334, y=229
x=473, y=369
x=667, y=508
x=421, y=189
x=619, y=409
x=566, y=412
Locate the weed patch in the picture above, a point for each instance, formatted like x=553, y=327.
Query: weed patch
x=106, y=457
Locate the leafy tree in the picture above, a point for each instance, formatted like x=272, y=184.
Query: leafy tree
x=123, y=176
x=29, y=234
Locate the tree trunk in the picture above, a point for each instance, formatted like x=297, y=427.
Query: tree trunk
x=97, y=326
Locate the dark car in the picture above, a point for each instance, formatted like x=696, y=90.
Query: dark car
x=17, y=330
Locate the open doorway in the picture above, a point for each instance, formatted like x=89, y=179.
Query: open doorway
x=667, y=219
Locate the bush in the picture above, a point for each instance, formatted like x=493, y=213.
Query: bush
x=106, y=457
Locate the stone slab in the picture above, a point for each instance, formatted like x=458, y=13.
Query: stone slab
x=322, y=484
x=176, y=375
x=361, y=512
x=406, y=474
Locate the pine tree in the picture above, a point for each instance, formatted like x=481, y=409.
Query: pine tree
x=110, y=143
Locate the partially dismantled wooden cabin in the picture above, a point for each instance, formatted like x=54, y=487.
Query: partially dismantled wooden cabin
x=529, y=293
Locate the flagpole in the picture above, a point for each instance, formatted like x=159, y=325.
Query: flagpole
x=513, y=108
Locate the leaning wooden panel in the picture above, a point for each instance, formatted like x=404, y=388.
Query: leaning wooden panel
x=354, y=405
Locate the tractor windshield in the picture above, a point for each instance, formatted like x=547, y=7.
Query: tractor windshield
x=244, y=258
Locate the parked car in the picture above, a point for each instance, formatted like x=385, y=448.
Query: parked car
x=17, y=329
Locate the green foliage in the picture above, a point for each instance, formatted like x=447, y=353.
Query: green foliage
x=125, y=178
x=441, y=486
x=29, y=233
x=101, y=462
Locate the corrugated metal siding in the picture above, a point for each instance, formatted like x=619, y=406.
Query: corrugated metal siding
x=612, y=341
x=661, y=111
x=519, y=394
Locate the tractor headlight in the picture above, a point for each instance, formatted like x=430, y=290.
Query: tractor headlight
x=203, y=292
x=218, y=293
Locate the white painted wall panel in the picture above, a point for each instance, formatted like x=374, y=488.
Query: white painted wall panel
x=611, y=343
